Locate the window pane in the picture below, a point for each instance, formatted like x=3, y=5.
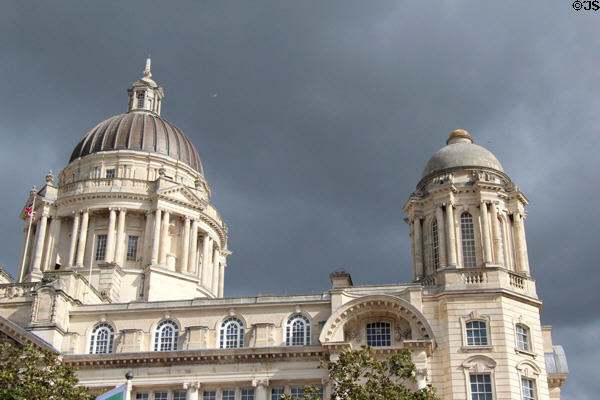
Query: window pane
x=209, y=395
x=232, y=334
x=476, y=333
x=297, y=331
x=161, y=395
x=379, y=334
x=179, y=395
x=276, y=393
x=166, y=336
x=528, y=388
x=110, y=173
x=481, y=387
x=522, y=338
x=468, y=240
x=141, y=396
x=228, y=395
x=140, y=99
x=247, y=394
x=100, y=247
x=298, y=392
x=436, y=245
x=132, y=244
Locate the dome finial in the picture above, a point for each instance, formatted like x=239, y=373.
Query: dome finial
x=147, y=72
x=459, y=135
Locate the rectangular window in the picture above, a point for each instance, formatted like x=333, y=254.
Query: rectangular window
x=110, y=173
x=132, y=244
x=379, y=334
x=179, y=395
x=141, y=396
x=161, y=395
x=140, y=100
x=481, y=387
x=298, y=392
x=522, y=338
x=476, y=333
x=100, y=247
x=209, y=395
x=528, y=388
x=247, y=394
x=276, y=393
x=228, y=394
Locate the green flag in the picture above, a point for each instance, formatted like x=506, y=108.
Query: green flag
x=117, y=393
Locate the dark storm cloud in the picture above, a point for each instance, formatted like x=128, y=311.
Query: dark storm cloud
x=314, y=121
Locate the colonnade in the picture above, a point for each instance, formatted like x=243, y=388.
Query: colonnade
x=206, y=262
x=492, y=246
x=41, y=246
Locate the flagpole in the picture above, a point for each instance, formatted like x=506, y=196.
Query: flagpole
x=27, y=240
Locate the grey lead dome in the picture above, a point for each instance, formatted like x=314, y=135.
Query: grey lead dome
x=141, y=131
x=461, y=152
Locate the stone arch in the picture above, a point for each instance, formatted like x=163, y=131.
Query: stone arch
x=333, y=330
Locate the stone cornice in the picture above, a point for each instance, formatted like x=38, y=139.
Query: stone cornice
x=210, y=356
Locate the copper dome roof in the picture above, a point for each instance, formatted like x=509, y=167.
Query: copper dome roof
x=140, y=131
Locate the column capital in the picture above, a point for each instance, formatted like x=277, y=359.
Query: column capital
x=192, y=385
x=260, y=382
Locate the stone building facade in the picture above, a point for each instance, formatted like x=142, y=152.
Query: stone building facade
x=123, y=269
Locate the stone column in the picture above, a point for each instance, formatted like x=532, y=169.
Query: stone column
x=221, y=279
x=120, y=237
x=485, y=227
x=260, y=386
x=418, y=247
x=521, y=246
x=147, y=240
x=72, y=248
x=185, y=253
x=214, y=287
x=85, y=218
x=156, y=238
x=164, y=240
x=53, y=232
x=110, y=236
x=451, y=229
x=192, y=390
x=192, y=258
x=40, y=237
x=206, y=244
x=439, y=214
x=496, y=237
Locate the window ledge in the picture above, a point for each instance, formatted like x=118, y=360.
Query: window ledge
x=526, y=352
x=477, y=348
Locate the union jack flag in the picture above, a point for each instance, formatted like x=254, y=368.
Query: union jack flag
x=29, y=211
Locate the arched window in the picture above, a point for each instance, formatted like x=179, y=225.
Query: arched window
x=523, y=342
x=468, y=240
x=102, y=339
x=140, y=100
x=435, y=245
x=297, y=331
x=232, y=334
x=476, y=333
x=166, y=336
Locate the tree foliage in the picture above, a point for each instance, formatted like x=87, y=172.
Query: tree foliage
x=32, y=374
x=359, y=375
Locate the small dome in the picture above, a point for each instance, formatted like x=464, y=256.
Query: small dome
x=141, y=131
x=461, y=152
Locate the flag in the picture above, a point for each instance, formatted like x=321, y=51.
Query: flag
x=29, y=211
x=117, y=393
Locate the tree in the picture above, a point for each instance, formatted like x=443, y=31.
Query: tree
x=32, y=374
x=359, y=375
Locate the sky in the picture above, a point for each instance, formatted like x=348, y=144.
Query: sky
x=314, y=120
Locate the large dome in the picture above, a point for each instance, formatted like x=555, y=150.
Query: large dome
x=461, y=152
x=141, y=131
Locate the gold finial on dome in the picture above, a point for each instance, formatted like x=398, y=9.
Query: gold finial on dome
x=459, y=135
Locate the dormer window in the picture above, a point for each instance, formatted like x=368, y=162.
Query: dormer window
x=140, y=100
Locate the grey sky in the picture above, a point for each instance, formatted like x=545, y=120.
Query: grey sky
x=314, y=121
